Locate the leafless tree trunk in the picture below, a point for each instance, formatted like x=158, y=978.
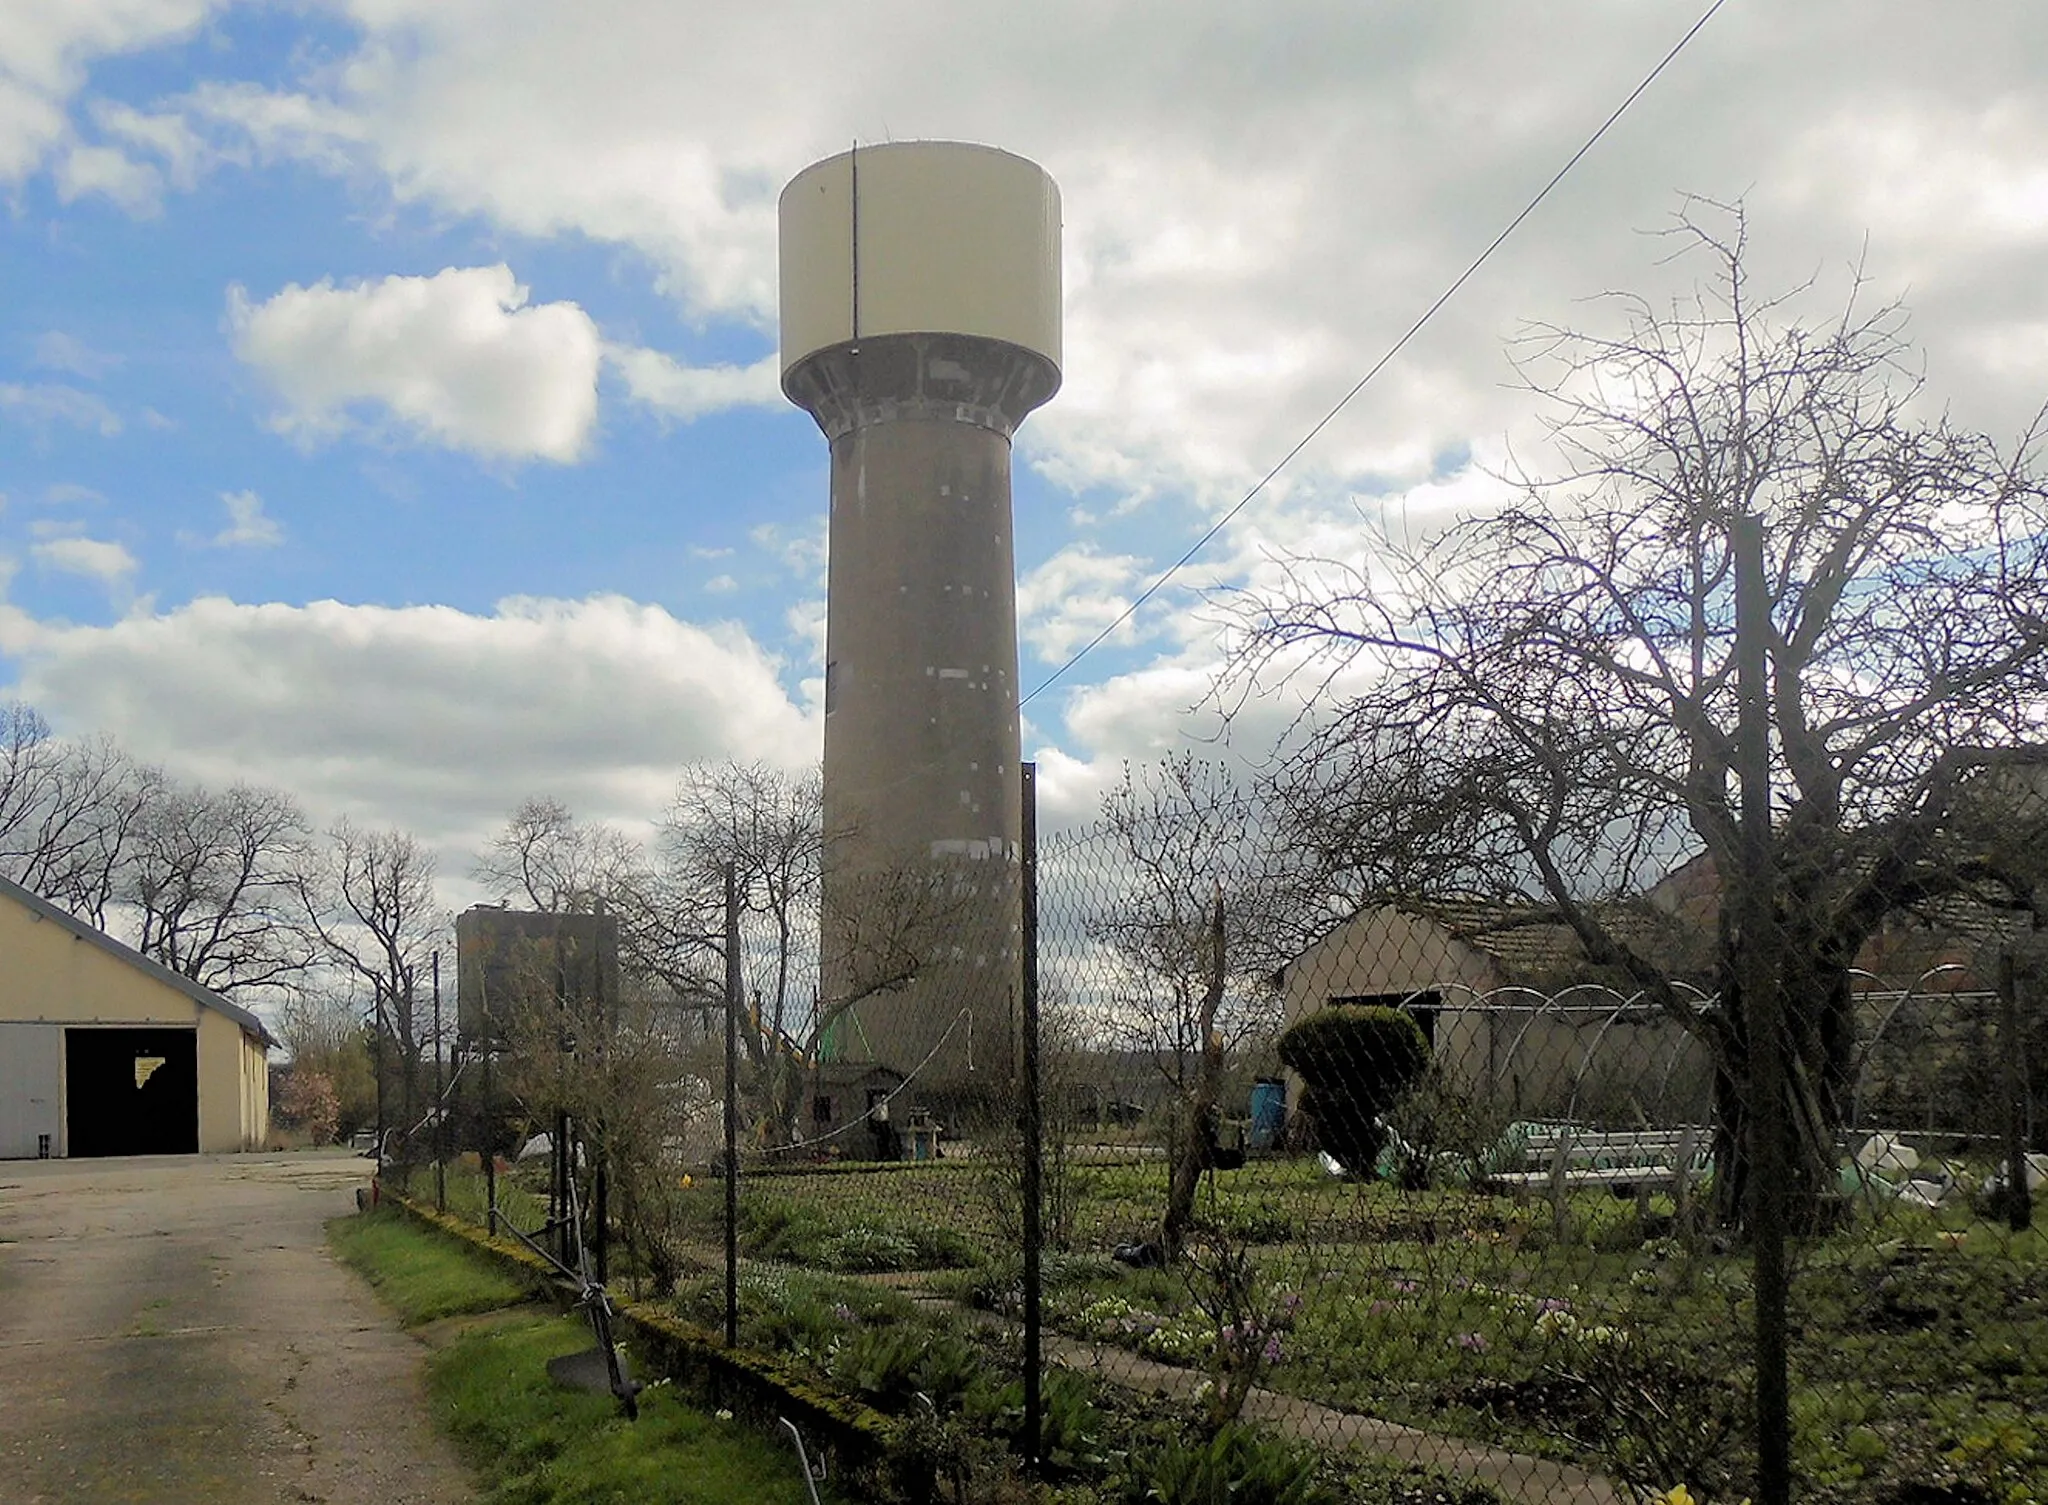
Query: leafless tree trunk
x=1191, y=1155
x=769, y=825
x=1193, y=923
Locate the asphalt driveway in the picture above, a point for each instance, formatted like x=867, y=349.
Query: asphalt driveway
x=173, y=1329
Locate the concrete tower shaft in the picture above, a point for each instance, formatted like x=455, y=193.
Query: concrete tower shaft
x=920, y=327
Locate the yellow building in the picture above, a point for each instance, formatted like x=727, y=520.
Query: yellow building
x=105, y=1052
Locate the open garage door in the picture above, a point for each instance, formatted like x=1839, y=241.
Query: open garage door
x=131, y=1091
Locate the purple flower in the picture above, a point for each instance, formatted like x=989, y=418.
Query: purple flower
x=1473, y=1342
x=843, y=1312
x=1292, y=1304
x=1406, y=1287
x=1272, y=1349
x=1552, y=1304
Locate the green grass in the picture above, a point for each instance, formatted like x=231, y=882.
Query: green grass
x=466, y=1187
x=421, y=1274
x=530, y=1441
x=1920, y=1340
x=534, y=1443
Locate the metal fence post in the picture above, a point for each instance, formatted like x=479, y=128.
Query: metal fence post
x=378, y=994
x=732, y=1106
x=2019, y=1198
x=487, y=1137
x=1031, y=1122
x=440, y=1101
x=1761, y=988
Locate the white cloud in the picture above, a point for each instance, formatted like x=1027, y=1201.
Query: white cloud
x=426, y=717
x=459, y=358
x=721, y=585
x=114, y=169
x=688, y=392
x=97, y=559
x=1253, y=212
x=168, y=137
x=1075, y=594
x=58, y=351
x=800, y=550
x=70, y=493
x=45, y=52
x=111, y=173
x=43, y=405
x=249, y=527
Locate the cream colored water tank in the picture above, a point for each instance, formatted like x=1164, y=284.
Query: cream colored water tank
x=920, y=237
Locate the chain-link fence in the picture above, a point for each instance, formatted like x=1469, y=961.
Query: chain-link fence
x=1198, y=1187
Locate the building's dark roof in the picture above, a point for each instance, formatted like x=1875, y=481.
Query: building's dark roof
x=1532, y=946
x=205, y=997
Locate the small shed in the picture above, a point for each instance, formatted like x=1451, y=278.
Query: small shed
x=858, y=1110
x=1511, y=1004
x=105, y=1052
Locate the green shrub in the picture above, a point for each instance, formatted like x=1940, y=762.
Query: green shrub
x=792, y=1233
x=887, y=1366
x=1073, y=1434
x=1238, y=1466
x=863, y=1249
x=1357, y=1062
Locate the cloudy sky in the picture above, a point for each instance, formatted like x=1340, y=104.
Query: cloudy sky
x=387, y=397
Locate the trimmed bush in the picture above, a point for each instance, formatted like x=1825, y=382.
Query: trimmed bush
x=1357, y=1062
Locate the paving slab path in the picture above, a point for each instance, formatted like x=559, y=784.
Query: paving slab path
x=174, y=1329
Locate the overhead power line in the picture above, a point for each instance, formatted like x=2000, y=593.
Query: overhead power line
x=1377, y=366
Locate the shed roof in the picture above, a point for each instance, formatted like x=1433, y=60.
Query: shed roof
x=1531, y=946
x=205, y=997
x=1534, y=946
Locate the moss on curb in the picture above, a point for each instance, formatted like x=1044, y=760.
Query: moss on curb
x=860, y=1442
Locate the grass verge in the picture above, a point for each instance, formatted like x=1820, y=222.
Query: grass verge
x=529, y=1441
x=419, y=1273
x=533, y=1443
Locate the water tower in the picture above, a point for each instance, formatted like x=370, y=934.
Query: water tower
x=920, y=324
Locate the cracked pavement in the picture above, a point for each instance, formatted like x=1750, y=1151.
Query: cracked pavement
x=173, y=1329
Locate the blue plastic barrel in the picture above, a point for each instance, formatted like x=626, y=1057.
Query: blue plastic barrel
x=1269, y=1112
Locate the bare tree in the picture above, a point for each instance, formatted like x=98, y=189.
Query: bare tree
x=1191, y=930
x=767, y=823
x=215, y=880
x=549, y=861
x=670, y=916
x=68, y=810
x=1550, y=698
x=620, y=1074
x=369, y=902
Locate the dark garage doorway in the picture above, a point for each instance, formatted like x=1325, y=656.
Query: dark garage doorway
x=131, y=1091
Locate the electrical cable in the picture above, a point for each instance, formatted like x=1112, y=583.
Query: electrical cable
x=1393, y=350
